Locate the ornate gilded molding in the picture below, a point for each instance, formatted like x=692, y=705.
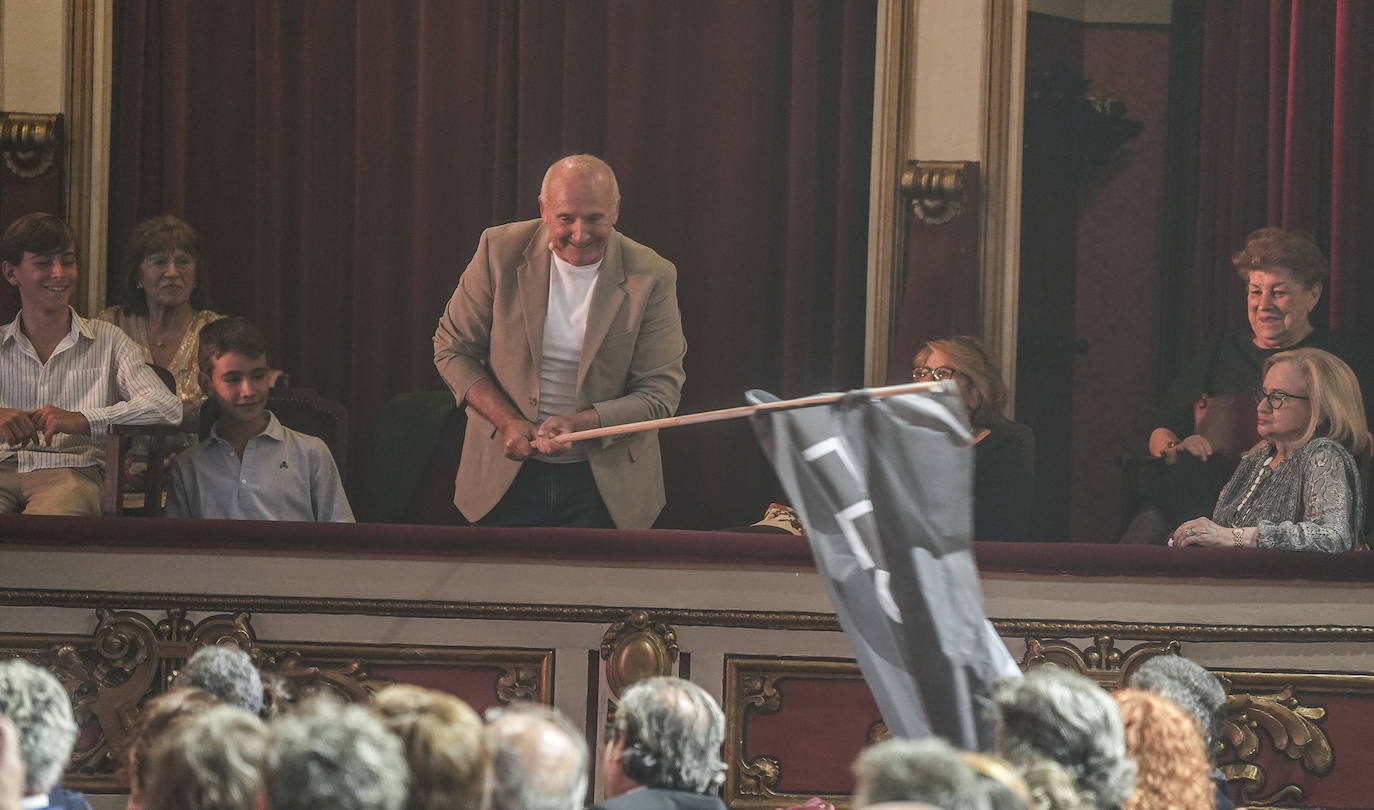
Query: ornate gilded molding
x=527, y=682
x=759, y=776
x=636, y=648
x=1102, y=661
x=752, y=688
x=129, y=658
x=935, y=188
x=596, y=614
x=29, y=141
x=1258, y=707
x=1150, y=631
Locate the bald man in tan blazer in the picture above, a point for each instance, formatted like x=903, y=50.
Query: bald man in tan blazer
x=490, y=346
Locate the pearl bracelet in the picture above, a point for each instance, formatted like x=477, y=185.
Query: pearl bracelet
x=1239, y=534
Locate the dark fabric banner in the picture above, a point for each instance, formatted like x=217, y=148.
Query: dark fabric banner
x=883, y=487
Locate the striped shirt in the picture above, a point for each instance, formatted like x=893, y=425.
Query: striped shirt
x=97, y=371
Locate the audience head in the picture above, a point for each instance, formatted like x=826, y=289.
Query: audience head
x=1283, y=273
x=1052, y=787
x=667, y=733
x=1056, y=714
x=11, y=768
x=1337, y=407
x=445, y=746
x=1275, y=250
x=980, y=381
x=928, y=770
x=1172, y=768
x=225, y=671
x=1193, y=688
x=539, y=759
x=1003, y=786
x=157, y=244
x=39, y=234
x=41, y=711
x=229, y=335
x=154, y=720
x=208, y=761
x=330, y=756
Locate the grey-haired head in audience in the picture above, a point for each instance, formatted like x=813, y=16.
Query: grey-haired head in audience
x=666, y=734
x=226, y=672
x=1059, y=715
x=539, y=759
x=208, y=761
x=41, y=711
x=928, y=770
x=1192, y=687
x=326, y=755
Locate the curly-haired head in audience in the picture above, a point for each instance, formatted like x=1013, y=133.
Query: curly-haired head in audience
x=928, y=770
x=41, y=711
x=153, y=720
x=1172, y=769
x=445, y=746
x=327, y=755
x=666, y=734
x=539, y=759
x=226, y=672
x=208, y=761
x=1056, y=714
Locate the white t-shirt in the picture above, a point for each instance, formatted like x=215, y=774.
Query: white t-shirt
x=565, y=324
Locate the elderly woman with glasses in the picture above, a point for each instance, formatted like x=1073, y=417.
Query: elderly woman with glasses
x=1004, y=451
x=1299, y=489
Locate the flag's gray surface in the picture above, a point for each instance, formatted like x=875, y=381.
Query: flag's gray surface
x=883, y=487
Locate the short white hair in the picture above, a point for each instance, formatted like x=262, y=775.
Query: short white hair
x=41, y=710
x=527, y=772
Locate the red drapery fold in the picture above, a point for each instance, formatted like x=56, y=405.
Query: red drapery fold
x=1287, y=116
x=341, y=158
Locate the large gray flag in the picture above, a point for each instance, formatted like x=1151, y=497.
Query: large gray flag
x=883, y=487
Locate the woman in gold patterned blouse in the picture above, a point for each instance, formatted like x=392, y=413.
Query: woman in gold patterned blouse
x=164, y=303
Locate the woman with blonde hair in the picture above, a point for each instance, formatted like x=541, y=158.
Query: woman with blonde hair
x=1004, y=451
x=1172, y=768
x=1300, y=488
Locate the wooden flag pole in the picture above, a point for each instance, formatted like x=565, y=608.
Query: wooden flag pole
x=743, y=410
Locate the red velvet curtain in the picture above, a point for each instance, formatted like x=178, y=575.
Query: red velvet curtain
x=1288, y=140
x=341, y=157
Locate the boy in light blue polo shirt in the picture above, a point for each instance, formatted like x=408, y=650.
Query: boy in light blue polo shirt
x=252, y=467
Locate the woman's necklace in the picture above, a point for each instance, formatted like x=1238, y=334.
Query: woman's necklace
x=166, y=334
x=1263, y=473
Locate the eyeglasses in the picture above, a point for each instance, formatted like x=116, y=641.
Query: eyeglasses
x=1276, y=398
x=923, y=373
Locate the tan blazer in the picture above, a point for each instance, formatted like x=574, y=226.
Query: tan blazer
x=631, y=366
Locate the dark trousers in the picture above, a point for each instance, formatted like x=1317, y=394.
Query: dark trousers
x=545, y=494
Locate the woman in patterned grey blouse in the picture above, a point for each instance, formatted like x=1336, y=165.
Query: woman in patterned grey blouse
x=1299, y=489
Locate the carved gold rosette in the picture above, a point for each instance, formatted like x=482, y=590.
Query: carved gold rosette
x=636, y=648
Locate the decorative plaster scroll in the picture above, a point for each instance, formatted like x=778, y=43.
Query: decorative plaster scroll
x=1102, y=661
x=936, y=189
x=30, y=141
